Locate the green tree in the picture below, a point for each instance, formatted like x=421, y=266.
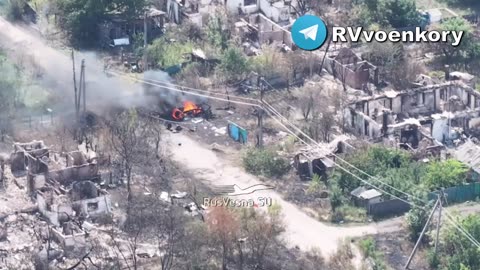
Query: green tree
x=14, y=9
x=395, y=13
x=416, y=219
x=376, y=161
x=217, y=30
x=460, y=252
x=402, y=13
x=455, y=24
x=443, y=174
x=80, y=18
x=265, y=162
x=234, y=64
x=9, y=85
x=165, y=53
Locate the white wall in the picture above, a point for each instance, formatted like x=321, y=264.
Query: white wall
x=440, y=129
x=232, y=6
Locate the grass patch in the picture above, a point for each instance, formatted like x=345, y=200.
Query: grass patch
x=265, y=162
x=348, y=213
x=369, y=251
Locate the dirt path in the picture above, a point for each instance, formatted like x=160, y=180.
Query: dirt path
x=301, y=230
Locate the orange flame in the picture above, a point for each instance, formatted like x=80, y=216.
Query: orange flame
x=189, y=106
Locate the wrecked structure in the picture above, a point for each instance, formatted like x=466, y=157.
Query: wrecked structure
x=350, y=69
x=118, y=31
x=432, y=115
x=316, y=161
x=65, y=187
x=258, y=29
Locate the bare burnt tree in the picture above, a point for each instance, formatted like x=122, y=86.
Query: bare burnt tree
x=326, y=124
x=195, y=246
x=145, y=214
x=340, y=102
x=308, y=102
x=303, y=7
x=155, y=132
x=128, y=140
x=259, y=232
x=224, y=229
x=169, y=236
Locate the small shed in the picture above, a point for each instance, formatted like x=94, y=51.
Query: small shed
x=364, y=197
x=320, y=160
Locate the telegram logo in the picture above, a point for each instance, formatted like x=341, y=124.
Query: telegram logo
x=309, y=32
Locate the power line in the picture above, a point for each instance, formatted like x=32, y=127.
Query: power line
x=336, y=156
x=193, y=93
x=273, y=111
x=185, y=87
x=326, y=152
x=450, y=219
x=460, y=228
x=341, y=167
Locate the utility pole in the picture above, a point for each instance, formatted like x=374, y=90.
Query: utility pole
x=145, y=42
x=260, y=112
x=83, y=91
x=440, y=197
x=75, y=86
x=421, y=235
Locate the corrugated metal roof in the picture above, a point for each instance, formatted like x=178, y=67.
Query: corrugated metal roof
x=356, y=192
x=469, y=153
x=370, y=194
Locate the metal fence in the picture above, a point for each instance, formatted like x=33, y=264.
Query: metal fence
x=459, y=194
x=388, y=208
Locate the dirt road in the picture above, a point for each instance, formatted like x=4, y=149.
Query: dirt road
x=27, y=48
x=301, y=230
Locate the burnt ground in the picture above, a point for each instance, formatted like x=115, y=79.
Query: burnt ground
x=396, y=247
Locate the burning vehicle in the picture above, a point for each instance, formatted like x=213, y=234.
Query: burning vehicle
x=190, y=109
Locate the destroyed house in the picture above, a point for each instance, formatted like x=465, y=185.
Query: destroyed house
x=61, y=170
x=439, y=112
x=118, y=31
x=320, y=161
x=350, y=69
x=259, y=29
x=62, y=184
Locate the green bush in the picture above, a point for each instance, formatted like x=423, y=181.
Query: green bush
x=166, y=54
x=316, y=185
x=265, y=162
x=416, y=219
x=433, y=259
x=14, y=9
x=367, y=247
x=349, y=213
x=234, y=64
x=445, y=174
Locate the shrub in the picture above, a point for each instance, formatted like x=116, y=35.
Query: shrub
x=165, y=53
x=367, y=247
x=433, y=259
x=265, y=162
x=316, y=185
x=352, y=213
x=445, y=174
x=416, y=219
x=14, y=9
x=234, y=64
